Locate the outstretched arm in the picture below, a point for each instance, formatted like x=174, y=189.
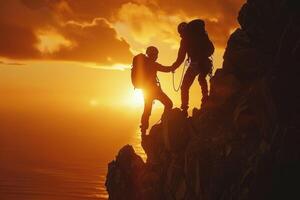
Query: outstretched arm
x=181, y=55
x=162, y=68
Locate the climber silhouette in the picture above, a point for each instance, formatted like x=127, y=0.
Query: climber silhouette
x=144, y=76
x=196, y=45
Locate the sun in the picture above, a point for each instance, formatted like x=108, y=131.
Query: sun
x=94, y=102
x=137, y=98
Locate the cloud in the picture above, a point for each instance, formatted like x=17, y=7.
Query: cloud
x=44, y=29
x=105, y=31
x=160, y=17
x=17, y=42
x=142, y=26
x=50, y=41
x=95, y=41
x=117, y=66
x=11, y=63
x=154, y=22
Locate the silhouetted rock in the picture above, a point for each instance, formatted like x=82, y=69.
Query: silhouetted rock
x=244, y=142
x=122, y=180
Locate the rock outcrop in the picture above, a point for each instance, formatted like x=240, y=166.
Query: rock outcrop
x=244, y=141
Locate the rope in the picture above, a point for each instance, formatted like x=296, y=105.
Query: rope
x=181, y=79
x=212, y=67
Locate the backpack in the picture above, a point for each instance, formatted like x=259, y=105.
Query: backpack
x=138, y=71
x=198, y=42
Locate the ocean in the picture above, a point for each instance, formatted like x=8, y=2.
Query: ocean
x=47, y=155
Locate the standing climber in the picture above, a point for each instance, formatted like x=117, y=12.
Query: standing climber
x=144, y=76
x=196, y=45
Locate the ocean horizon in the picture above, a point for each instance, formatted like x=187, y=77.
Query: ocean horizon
x=61, y=156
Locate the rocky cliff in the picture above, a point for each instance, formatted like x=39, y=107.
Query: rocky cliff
x=244, y=141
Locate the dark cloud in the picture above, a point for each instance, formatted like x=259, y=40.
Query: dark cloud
x=96, y=42
x=89, y=9
x=17, y=42
x=21, y=20
x=35, y=4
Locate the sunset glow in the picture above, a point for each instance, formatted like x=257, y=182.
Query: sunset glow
x=67, y=102
x=137, y=98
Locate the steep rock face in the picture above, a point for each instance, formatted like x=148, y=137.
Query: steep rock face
x=244, y=142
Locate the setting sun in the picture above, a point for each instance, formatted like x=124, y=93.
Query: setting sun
x=94, y=102
x=137, y=98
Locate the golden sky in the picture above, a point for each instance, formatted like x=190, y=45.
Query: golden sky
x=80, y=51
x=66, y=98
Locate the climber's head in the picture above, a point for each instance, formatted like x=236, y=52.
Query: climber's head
x=181, y=28
x=152, y=53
